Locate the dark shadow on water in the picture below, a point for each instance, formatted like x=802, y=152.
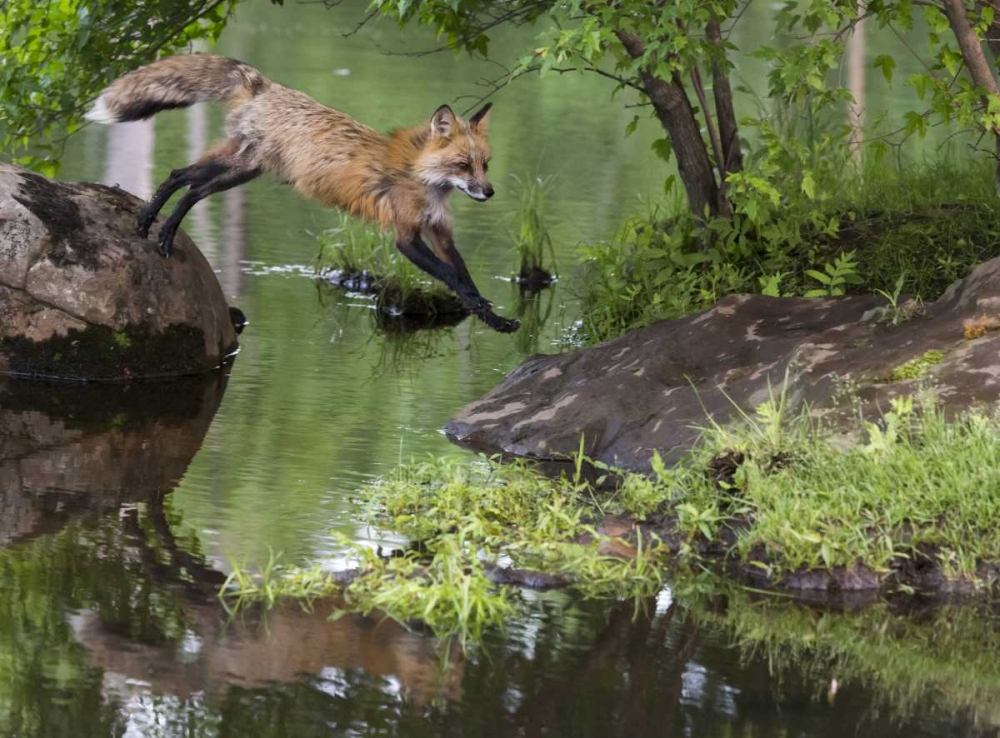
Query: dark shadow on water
x=405, y=325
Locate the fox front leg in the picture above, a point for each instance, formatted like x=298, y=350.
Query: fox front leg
x=420, y=254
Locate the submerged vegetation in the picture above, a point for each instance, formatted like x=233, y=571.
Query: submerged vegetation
x=912, y=504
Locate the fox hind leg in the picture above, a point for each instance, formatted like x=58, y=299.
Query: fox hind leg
x=228, y=178
x=197, y=174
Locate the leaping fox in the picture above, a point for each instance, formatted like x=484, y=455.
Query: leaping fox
x=400, y=180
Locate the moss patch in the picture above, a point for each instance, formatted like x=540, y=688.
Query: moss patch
x=918, y=367
x=98, y=353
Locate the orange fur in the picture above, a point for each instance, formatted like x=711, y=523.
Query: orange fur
x=400, y=180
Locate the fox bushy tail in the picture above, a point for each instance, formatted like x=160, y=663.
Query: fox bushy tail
x=176, y=82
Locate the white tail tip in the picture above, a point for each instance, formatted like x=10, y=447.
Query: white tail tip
x=99, y=112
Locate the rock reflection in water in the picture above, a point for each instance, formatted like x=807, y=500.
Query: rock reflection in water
x=87, y=533
x=72, y=449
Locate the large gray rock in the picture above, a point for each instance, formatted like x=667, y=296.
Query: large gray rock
x=81, y=297
x=653, y=388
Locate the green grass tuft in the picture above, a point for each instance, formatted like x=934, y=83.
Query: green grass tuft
x=467, y=518
x=353, y=247
x=916, y=485
x=529, y=232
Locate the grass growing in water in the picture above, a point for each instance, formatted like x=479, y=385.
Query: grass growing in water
x=530, y=233
x=469, y=519
x=915, y=486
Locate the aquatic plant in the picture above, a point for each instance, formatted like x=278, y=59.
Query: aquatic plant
x=530, y=232
x=474, y=524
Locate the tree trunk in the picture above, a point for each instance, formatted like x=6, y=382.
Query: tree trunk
x=728, y=130
x=856, y=85
x=975, y=60
x=993, y=32
x=674, y=111
x=677, y=116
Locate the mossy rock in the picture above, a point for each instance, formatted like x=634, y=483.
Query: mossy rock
x=83, y=298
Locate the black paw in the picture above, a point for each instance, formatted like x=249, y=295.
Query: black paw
x=166, y=244
x=143, y=225
x=500, y=323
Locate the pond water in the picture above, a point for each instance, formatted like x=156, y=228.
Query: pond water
x=122, y=508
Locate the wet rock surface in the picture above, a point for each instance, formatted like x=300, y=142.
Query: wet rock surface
x=653, y=388
x=83, y=298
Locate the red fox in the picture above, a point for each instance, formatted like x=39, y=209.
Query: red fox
x=400, y=180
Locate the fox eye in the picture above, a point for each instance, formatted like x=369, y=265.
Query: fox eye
x=464, y=166
x=486, y=166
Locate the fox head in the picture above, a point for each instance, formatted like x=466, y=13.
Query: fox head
x=457, y=153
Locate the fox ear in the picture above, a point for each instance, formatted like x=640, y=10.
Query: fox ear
x=481, y=120
x=443, y=122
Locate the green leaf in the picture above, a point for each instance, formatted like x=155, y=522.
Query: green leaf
x=662, y=148
x=887, y=64
x=809, y=186
x=818, y=276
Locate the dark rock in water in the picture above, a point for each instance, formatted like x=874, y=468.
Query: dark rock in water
x=652, y=389
x=534, y=279
x=362, y=282
x=83, y=298
x=425, y=308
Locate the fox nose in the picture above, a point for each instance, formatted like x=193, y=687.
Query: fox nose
x=488, y=191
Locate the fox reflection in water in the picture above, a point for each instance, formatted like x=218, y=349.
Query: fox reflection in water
x=88, y=471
